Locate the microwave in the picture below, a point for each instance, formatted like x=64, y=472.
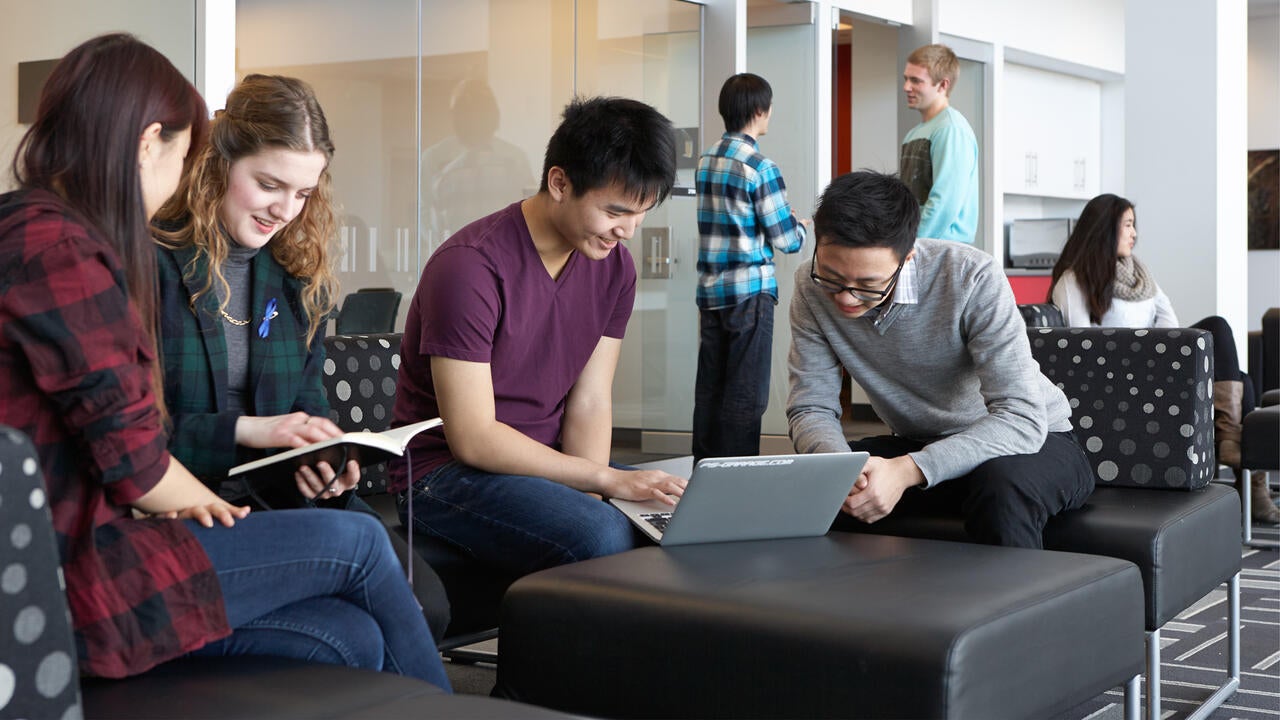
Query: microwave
x=1036, y=244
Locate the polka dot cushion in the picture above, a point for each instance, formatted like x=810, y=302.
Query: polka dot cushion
x=1042, y=315
x=1141, y=400
x=360, y=373
x=38, y=676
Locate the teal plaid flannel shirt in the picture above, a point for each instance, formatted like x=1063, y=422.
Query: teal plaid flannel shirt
x=285, y=373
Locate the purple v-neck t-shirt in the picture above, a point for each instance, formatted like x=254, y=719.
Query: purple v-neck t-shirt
x=486, y=297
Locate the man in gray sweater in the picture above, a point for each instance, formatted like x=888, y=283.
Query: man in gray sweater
x=930, y=330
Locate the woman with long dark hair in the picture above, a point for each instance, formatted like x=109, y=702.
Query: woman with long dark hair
x=1098, y=281
x=156, y=565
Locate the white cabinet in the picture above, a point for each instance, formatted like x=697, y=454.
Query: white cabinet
x=1050, y=133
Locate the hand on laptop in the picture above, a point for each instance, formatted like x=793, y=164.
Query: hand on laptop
x=643, y=485
x=880, y=487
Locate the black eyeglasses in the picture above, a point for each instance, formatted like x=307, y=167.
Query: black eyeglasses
x=863, y=295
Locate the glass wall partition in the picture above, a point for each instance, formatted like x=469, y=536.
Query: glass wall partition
x=430, y=137
x=492, y=78
x=781, y=53
x=495, y=76
x=362, y=66
x=650, y=51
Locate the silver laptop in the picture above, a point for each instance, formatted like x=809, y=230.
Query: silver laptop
x=752, y=498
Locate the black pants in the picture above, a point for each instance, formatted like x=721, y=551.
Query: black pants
x=731, y=392
x=1226, y=363
x=1005, y=500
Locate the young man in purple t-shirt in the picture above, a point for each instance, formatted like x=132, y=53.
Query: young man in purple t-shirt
x=512, y=338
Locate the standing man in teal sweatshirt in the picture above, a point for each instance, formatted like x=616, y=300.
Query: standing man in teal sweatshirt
x=939, y=160
x=930, y=330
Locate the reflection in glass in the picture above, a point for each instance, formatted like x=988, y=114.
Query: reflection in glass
x=472, y=172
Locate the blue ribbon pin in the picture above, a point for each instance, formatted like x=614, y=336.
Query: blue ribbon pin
x=264, y=328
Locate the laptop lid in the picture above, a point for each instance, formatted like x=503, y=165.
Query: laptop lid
x=752, y=498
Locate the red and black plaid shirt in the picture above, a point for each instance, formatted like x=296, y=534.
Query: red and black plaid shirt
x=75, y=377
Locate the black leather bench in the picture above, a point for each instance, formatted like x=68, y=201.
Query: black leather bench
x=38, y=676
x=844, y=625
x=1143, y=410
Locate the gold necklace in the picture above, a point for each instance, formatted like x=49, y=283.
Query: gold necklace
x=233, y=321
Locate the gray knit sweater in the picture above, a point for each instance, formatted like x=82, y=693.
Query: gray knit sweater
x=952, y=369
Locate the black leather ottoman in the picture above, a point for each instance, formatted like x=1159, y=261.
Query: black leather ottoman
x=844, y=625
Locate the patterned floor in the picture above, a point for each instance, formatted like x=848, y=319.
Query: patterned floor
x=1194, y=650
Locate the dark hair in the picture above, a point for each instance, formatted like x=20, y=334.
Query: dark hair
x=742, y=97
x=474, y=113
x=1091, y=252
x=83, y=144
x=868, y=209
x=607, y=141
x=263, y=112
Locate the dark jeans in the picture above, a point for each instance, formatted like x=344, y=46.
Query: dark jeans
x=1005, y=500
x=732, y=389
x=318, y=585
x=516, y=522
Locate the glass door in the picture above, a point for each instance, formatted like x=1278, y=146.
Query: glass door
x=652, y=52
x=783, y=54
x=969, y=98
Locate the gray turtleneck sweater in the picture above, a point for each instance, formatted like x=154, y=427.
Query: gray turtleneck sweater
x=238, y=270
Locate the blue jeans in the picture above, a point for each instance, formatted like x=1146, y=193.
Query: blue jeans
x=515, y=522
x=318, y=585
x=731, y=392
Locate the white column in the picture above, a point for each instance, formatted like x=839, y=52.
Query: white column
x=724, y=54
x=824, y=29
x=923, y=30
x=215, y=50
x=1185, y=148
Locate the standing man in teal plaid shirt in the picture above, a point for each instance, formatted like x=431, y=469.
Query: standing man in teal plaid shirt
x=743, y=215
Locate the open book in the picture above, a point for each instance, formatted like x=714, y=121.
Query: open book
x=369, y=448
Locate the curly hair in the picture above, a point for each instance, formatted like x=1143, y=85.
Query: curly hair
x=263, y=112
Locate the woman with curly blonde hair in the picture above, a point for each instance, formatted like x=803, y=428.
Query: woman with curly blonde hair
x=246, y=281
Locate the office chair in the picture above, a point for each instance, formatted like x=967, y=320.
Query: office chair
x=371, y=310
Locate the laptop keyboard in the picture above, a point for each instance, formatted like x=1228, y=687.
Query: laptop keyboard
x=658, y=520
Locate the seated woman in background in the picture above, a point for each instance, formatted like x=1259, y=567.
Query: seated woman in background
x=241, y=331
x=1098, y=281
x=156, y=565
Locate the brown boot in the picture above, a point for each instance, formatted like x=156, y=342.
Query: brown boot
x=1227, y=397
x=1264, y=511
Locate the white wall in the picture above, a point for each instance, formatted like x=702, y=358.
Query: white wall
x=1185, y=151
x=46, y=30
x=1087, y=32
x=1264, y=81
x=1264, y=134
x=877, y=94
